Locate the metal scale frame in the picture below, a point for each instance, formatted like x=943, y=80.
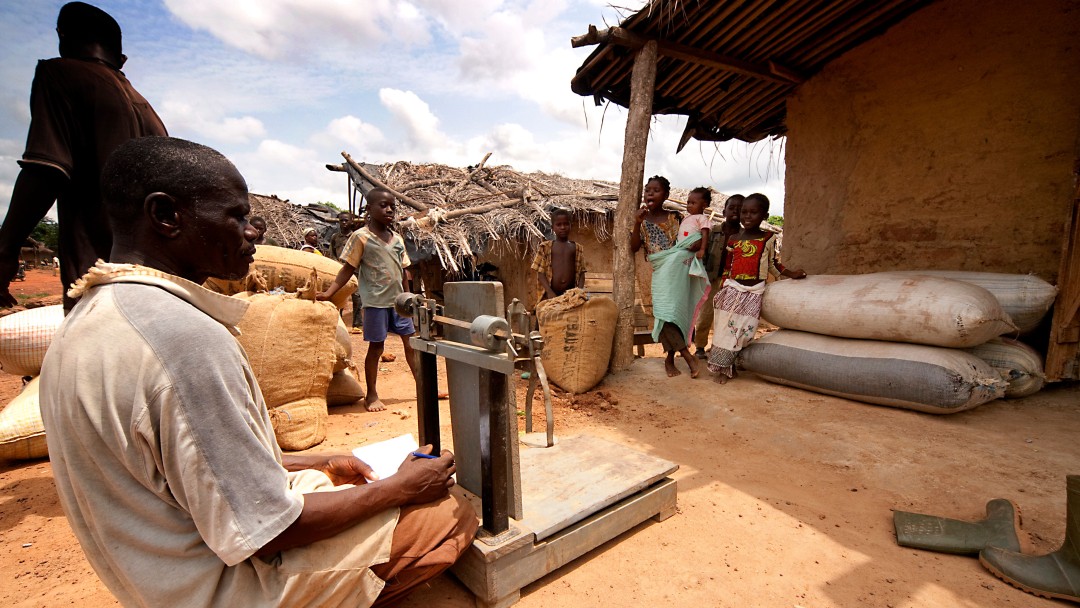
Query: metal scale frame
x=540, y=507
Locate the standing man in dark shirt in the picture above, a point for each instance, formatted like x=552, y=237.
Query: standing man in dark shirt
x=81, y=108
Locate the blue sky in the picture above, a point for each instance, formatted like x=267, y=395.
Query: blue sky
x=281, y=87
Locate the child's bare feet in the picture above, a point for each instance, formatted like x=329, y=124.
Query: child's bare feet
x=720, y=378
x=669, y=365
x=375, y=405
x=691, y=361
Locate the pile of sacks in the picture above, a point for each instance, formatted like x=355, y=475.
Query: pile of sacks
x=299, y=350
x=24, y=338
x=931, y=341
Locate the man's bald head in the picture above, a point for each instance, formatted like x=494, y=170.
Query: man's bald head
x=182, y=169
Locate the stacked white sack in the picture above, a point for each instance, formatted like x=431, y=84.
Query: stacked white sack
x=924, y=378
x=1024, y=297
x=25, y=336
x=917, y=309
x=1017, y=363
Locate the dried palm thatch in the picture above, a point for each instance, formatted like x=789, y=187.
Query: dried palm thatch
x=286, y=222
x=459, y=214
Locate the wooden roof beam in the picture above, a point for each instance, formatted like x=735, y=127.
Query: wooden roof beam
x=771, y=71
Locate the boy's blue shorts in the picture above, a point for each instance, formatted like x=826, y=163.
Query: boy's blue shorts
x=380, y=321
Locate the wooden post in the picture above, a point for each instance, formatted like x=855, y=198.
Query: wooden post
x=643, y=79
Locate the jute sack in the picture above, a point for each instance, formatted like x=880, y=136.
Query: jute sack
x=1024, y=297
x=289, y=269
x=342, y=347
x=290, y=345
x=25, y=336
x=344, y=388
x=22, y=434
x=1017, y=363
x=885, y=306
x=924, y=378
x=578, y=333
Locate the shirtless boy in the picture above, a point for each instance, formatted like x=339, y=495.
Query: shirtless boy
x=559, y=264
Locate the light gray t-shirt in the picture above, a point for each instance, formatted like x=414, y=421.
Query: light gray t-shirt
x=163, y=452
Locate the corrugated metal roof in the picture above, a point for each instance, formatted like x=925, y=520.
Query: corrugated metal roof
x=730, y=66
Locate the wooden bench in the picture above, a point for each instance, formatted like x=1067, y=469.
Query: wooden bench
x=602, y=283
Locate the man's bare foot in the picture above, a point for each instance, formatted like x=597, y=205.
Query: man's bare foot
x=672, y=371
x=375, y=405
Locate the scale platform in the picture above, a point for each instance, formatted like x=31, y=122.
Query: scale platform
x=540, y=507
x=576, y=496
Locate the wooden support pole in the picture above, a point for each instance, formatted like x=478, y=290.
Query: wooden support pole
x=642, y=81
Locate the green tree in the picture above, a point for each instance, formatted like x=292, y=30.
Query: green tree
x=776, y=220
x=47, y=231
x=330, y=205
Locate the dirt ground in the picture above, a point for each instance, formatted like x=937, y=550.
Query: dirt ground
x=784, y=496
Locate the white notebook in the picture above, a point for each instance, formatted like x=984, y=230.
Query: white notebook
x=384, y=457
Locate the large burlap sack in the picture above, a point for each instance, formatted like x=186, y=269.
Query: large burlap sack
x=290, y=345
x=342, y=347
x=923, y=378
x=344, y=388
x=1019, y=365
x=884, y=306
x=289, y=269
x=22, y=434
x=578, y=332
x=25, y=336
x=1024, y=297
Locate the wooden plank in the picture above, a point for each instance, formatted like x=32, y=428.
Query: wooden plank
x=579, y=476
x=599, y=286
x=1063, y=353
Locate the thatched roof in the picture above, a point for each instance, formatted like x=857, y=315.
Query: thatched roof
x=730, y=65
x=454, y=214
x=286, y=222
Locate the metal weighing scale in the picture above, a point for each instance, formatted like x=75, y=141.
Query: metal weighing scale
x=542, y=506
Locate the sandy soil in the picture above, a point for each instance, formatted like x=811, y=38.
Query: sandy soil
x=784, y=496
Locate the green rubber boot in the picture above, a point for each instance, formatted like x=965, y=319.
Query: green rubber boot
x=999, y=529
x=1056, y=575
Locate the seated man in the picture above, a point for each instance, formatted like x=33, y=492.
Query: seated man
x=161, y=445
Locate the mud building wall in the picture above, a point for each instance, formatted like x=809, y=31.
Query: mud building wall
x=949, y=142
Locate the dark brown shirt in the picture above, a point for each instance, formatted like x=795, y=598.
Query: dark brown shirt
x=82, y=110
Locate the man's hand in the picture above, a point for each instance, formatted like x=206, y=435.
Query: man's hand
x=348, y=469
x=9, y=267
x=321, y=296
x=424, y=480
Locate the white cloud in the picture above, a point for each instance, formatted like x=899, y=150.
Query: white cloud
x=421, y=124
x=358, y=136
x=281, y=28
x=209, y=123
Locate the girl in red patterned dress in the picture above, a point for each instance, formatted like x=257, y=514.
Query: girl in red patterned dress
x=751, y=258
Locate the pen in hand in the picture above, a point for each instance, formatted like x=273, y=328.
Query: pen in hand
x=422, y=455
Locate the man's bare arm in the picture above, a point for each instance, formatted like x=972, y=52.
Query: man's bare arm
x=34, y=193
x=326, y=514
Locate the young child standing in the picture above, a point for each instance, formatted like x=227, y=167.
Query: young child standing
x=751, y=258
x=714, y=265
x=559, y=264
x=379, y=254
x=696, y=222
x=657, y=230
